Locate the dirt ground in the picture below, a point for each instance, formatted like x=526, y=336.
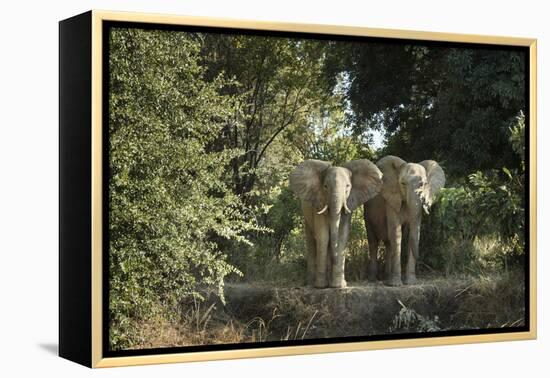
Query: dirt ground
x=260, y=312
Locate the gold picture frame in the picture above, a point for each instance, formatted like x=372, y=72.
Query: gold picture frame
x=89, y=266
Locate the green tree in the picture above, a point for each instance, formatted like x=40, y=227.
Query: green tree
x=477, y=97
x=449, y=104
x=170, y=198
x=487, y=205
x=278, y=82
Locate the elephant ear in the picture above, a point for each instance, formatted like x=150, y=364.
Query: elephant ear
x=435, y=177
x=390, y=167
x=366, y=182
x=306, y=181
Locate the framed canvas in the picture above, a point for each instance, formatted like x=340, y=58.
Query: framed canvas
x=234, y=189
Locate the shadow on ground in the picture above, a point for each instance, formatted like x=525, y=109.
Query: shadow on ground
x=51, y=348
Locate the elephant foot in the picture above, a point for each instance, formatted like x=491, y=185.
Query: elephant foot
x=339, y=284
x=393, y=281
x=372, y=275
x=320, y=283
x=410, y=279
x=337, y=279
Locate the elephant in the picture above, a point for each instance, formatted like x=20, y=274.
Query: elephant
x=328, y=195
x=408, y=189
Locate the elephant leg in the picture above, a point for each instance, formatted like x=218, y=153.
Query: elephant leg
x=372, y=269
x=387, y=261
x=329, y=265
x=412, y=248
x=321, y=248
x=310, y=255
x=410, y=272
x=339, y=257
x=394, y=236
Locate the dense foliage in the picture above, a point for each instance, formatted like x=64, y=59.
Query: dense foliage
x=168, y=195
x=456, y=103
x=480, y=223
x=205, y=128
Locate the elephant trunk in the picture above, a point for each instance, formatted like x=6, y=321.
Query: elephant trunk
x=414, y=237
x=334, y=234
x=416, y=204
x=336, y=205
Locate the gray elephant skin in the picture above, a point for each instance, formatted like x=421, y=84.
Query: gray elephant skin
x=408, y=189
x=329, y=194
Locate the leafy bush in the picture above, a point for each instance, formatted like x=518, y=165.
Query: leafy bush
x=357, y=249
x=480, y=223
x=168, y=198
x=408, y=320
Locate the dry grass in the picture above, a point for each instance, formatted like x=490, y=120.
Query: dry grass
x=492, y=302
x=258, y=314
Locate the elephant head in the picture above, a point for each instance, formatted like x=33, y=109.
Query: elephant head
x=413, y=185
x=336, y=190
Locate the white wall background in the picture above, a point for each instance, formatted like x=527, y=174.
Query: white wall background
x=29, y=189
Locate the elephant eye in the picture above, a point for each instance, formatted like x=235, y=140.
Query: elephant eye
x=348, y=186
x=326, y=186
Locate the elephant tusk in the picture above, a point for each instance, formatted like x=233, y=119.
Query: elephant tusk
x=323, y=210
x=426, y=209
x=346, y=208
